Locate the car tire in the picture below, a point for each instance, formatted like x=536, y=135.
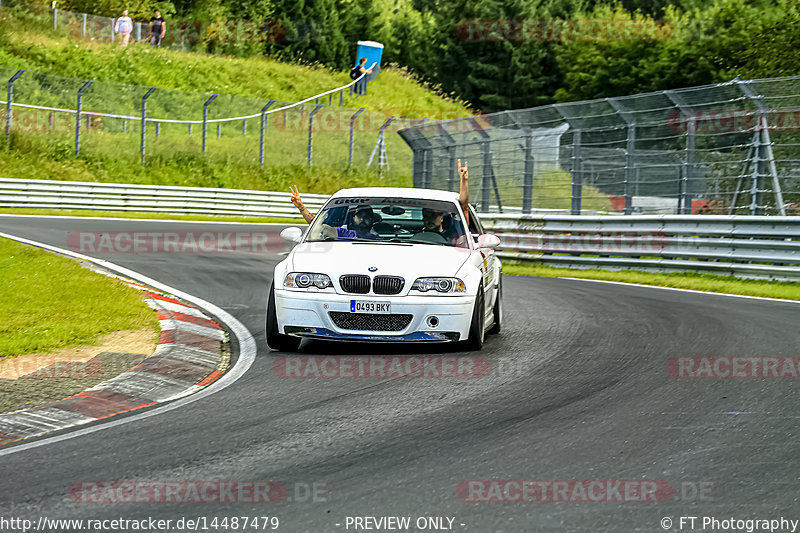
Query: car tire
x=498, y=308
x=477, y=331
x=275, y=339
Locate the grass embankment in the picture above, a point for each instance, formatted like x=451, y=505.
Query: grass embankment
x=786, y=290
x=185, y=81
x=51, y=302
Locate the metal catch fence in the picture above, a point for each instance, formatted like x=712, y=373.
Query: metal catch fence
x=729, y=148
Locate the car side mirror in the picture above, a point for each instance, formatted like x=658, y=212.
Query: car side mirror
x=487, y=240
x=293, y=234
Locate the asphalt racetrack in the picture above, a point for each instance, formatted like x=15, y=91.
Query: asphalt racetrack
x=578, y=390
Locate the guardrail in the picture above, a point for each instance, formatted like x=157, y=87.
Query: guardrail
x=78, y=195
x=743, y=246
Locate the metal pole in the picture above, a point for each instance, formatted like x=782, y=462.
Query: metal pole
x=341, y=97
x=685, y=202
x=577, y=173
x=150, y=91
x=330, y=99
x=124, y=125
x=754, y=176
x=311, y=130
x=83, y=27
x=773, y=170
x=113, y=22
x=219, y=130
x=78, y=116
x=205, y=119
x=55, y=18
x=264, y=124
x=352, y=126
x=244, y=127
x=758, y=181
x=527, y=175
x=9, y=111
x=629, y=167
x=158, y=129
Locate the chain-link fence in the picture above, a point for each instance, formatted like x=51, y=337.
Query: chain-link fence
x=730, y=148
x=91, y=117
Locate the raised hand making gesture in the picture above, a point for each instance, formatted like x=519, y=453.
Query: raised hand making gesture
x=463, y=195
x=298, y=203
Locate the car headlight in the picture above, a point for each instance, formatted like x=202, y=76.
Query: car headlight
x=304, y=280
x=449, y=285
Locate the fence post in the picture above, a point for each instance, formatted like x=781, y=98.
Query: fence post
x=577, y=173
x=144, y=118
x=139, y=35
x=124, y=124
x=158, y=129
x=83, y=27
x=686, y=200
x=78, y=116
x=55, y=18
x=341, y=98
x=244, y=127
x=527, y=180
x=264, y=124
x=311, y=130
x=113, y=23
x=352, y=127
x=205, y=118
x=9, y=111
x=219, y=130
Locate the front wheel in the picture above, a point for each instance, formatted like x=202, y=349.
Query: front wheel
x=275, y=339
x=476, y=328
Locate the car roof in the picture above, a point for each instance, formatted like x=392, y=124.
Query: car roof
x=398, y=192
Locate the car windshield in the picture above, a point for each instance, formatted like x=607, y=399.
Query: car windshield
x=395, y=220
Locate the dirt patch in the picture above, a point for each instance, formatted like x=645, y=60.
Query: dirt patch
x=34, y=379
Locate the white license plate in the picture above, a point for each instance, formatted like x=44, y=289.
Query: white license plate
x=365, y=306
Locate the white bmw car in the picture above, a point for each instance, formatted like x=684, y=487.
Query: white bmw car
x=387, y=265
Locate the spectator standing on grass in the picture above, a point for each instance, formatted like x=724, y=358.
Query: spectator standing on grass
x=124, y=28
x=158, y=28
x=361, y=86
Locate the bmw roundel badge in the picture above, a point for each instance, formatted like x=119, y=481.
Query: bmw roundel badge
x=372, y=269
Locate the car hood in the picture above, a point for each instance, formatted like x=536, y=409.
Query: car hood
x=407, y=260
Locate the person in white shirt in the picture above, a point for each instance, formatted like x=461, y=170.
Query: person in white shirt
x=124, y=28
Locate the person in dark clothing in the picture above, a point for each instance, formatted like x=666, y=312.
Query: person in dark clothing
x=361, y=85
x=158, y=28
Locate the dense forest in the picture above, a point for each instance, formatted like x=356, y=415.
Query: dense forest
x=507, y=54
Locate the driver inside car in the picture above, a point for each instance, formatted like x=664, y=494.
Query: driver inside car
x=439, y=224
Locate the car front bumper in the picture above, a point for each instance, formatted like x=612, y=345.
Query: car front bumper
x=307, y=315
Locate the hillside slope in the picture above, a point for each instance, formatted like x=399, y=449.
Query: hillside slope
x=110, y=154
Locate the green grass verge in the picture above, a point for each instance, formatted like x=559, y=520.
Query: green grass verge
x=149, y=216
x=42, y=147
x=52, y=302
x=786, y=290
